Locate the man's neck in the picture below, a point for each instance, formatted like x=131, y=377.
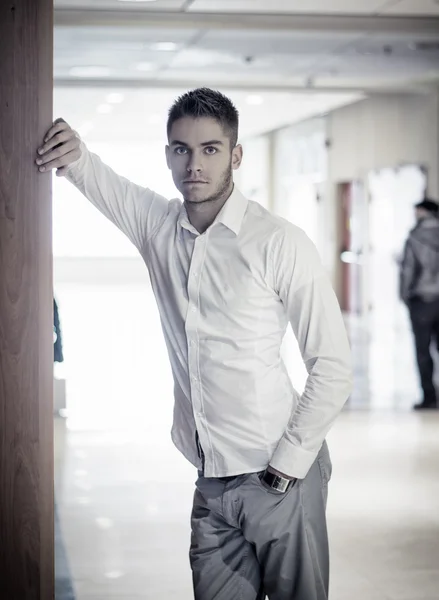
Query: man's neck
x=202, y=215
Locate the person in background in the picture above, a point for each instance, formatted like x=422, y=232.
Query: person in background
x=228, y=277
x=419, y=289
x=58, y=355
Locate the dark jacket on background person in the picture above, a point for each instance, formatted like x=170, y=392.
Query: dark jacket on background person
x=419, y=275
x=57, y=347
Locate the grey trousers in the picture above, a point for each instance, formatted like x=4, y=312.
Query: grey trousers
x=248, y=542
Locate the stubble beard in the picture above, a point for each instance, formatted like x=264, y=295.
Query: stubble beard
x=220, y=193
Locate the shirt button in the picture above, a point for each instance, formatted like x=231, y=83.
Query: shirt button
x=194, y=309
x=194, y=378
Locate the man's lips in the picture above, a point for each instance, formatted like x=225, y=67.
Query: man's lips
x=194, y=181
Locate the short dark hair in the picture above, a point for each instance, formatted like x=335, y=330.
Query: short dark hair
x=204, y=102
x=429, y=205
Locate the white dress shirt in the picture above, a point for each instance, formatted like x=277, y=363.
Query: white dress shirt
x=225, y=298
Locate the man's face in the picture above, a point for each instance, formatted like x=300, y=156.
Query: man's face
x=421, y=213
x=201, y=159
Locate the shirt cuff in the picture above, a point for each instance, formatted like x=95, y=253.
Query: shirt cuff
x=292, y=460
x=78, y=164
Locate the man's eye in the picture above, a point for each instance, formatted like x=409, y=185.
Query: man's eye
x=180, y=150
x=210, y=150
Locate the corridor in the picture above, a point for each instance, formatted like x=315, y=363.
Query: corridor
x=124, y=493
x=125, y=499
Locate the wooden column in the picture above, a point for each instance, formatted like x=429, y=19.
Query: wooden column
x=26, y=296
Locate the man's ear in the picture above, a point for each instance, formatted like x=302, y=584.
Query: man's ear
x=168, y=156
x=237, y=153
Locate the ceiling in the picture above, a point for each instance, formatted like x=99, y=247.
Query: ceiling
x=324, y=7
x=355, y=45
x=280, y=60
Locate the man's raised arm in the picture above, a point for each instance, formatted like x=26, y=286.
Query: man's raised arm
x=135, y=210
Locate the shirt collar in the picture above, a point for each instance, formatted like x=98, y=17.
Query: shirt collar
x=231, y=215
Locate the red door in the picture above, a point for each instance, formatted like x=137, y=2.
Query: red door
x=352, y=235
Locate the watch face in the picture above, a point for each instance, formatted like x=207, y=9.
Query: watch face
x=280, y=484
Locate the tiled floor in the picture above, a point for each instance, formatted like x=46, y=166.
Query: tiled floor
x=124, y=493
x=125, y=500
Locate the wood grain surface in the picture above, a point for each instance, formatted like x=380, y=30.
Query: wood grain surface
x=26, y=296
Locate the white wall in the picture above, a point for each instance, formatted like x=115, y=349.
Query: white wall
x=383, y=132
x=253, y=177
x=299, y=170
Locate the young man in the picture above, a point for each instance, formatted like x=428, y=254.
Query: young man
x=228, y=277
x=419, y=289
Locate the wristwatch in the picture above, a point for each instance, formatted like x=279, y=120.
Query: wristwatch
x=275, y=482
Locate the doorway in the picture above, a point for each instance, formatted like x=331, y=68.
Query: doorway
x=393, y=194
x=353, y=237
x=393, y=379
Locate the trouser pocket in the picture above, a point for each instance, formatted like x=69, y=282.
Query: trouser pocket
x=325, y=464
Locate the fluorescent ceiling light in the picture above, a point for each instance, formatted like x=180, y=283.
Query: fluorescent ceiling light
x=104, y=109
x=192, y=57
x=115, y=98
x=164, y=46
x=90, y=71
x=254, y=100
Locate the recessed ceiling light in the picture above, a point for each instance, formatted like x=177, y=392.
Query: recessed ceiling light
x=104, y=523
x=144, y=66
x=104, y=109
x=254, y=100
x=164, y=46
x=89, y=71
x=114, y=574
x=115, y=98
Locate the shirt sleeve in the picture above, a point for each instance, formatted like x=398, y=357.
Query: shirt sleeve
x=314, y=313
x=407, y=275
x=137, y=211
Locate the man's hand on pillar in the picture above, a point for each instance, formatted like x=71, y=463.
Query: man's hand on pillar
x=61, y=148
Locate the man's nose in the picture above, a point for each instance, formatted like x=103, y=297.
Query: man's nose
x=194, y=164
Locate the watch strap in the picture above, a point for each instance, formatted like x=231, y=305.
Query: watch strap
x=275, y=482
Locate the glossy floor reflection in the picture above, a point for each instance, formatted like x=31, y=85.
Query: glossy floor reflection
x=125, y=499
x=124, y=493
